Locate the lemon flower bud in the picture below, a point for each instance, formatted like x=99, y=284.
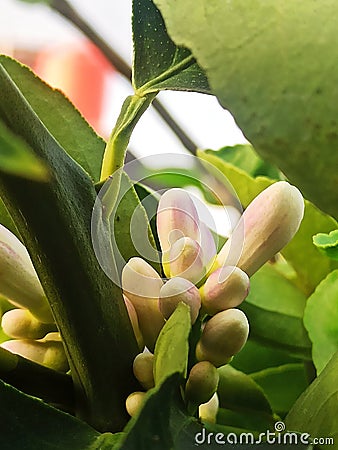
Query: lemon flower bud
x=48, y=352
x=178, y=290
x=135, y=402
x=141, y=285
x=208, y=411
x=202, y=383
x=21, y=324
x=225, y=288
x=143, y=369
x=266, y=226
x=186, y=260
x=134, y=322
x=223, y=336
x=18, y=280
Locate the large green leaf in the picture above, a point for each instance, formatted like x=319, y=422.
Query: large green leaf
x=275, y=382
x=260, y=63
x=28, y=423
x=310, y=265
x=321, y=320
x=59, y=116
x=275, y=310
x=316, y=410
x=158, y=62
x=54, y=220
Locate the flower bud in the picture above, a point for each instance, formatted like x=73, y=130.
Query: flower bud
x=18, y=280
x=207, y=243
x=207, y=412
x=134, y=322
x=186, y=260
x=177, y=217
x=225, y=288
x=266, y=226
x=21, y=324
x=223, y=336
x=202, y=383
x=141, y=285
x=178, y=290
x=48, y=352
x=143, y=369
x=135, y=402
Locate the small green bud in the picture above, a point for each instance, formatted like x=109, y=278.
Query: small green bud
x=135, y=402
x=21, y=324
x=143, y=369
x=207, y=412
x=223, y=336
x=202, y=383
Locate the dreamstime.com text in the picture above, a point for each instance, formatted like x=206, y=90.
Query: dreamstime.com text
x=279, y=436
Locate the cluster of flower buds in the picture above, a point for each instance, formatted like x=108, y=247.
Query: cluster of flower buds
x=30, y=325
x=212, y=284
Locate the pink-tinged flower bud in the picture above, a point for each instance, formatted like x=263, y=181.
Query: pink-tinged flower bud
x=48, y=352
x=177, y=217
x=21, y=324
x=208, y=245
x=202, y=383
x=266, y=226
x=18, y=280
x=186, y=260
x=223, y=336
x=134, y=322
x=225, y=288
x=178, y=290
x=143, y=366
x=207, y=412
x=135, y=402
x=141, y=285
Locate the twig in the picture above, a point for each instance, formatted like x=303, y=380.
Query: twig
x=67, y=11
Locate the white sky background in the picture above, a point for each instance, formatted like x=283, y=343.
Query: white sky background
x=35, y=26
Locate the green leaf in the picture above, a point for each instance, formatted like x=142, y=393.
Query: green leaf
x=27, y=422
x=327, y=243
x=275, y=309
x=17, y=158
x=275, y=382
x=310, y=265
x=59, y=116
x=257, y=60
x=321, y=320
x=316, y=410
x=158, y=63
x=6, y=220
x=54, y=220
x=171, y=350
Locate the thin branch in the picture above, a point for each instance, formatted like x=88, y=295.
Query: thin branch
x=68, y=12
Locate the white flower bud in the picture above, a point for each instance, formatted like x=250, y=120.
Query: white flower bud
x=135, y=402
x=186, y=260
x=178, y=290
x=143, y=369
x=21, y=324
x=207, y=412
x=134, y=322
x=225, y=288
x=223, y=336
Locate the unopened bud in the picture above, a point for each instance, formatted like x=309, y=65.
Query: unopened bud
x=186, y=260
x=143, y=369
x=141, y=285
x=176, y=218
x=207, y=412
x=18, y=280
x=202, y=383
x=223, y=336
x=225, y=288
x=266, y=226
x=207, y=243
x=178, y=290
x=48, y=352
x=134, y=322
x=21, y=324
x=135, y=402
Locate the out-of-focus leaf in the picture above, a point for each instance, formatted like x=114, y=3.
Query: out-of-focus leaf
x=282, y=385
x=321, y=320
x=6, y=220
x=59, y=116
x=310, y=265
x=257, y=60
x=171, y=350
x=158, y=62
x=327, y=243
x=275, y=309
x=316, y=410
